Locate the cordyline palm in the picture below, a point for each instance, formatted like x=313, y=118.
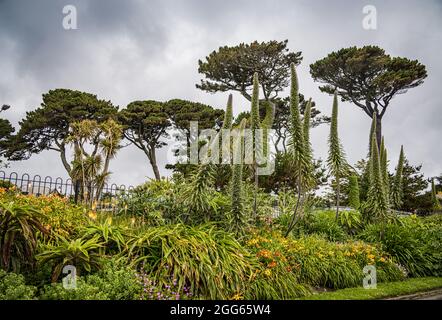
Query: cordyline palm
x=19, y=226
x=81, y=253
x=336, y=161
x=397, y=188
x=300, y=152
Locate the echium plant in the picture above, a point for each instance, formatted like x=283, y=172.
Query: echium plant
x=384, y=170
x=377, y=205
x=336, y=161
x=397, y=187
x=237, y=220
x=300, y=154
x=260, y=147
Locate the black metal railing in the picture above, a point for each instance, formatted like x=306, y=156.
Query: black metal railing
x=37, y=185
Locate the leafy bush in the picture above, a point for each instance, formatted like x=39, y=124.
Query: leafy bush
x=321, y=223
x=414, y=243
x=13, y=287
x=84, y=291
x=113, y=236
x=57, y=214
x=318, y=262
x=116, y=281
x=19, y=226
x=81, y=253
x=154, y=201
x=209, y=261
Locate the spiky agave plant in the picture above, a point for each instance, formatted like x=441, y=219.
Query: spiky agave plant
x=336, y=161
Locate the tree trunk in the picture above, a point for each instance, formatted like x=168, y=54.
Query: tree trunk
x=379, y=130
x=153, y=162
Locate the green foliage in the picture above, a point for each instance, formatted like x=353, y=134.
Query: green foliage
x=414, y=244
x=367, y=77
x=48, y=126
x=237, y=220
x=318, y=262
x=19, y=226
x=300, y=153
x=197, y=195
x=154, y=201
x=376, y=207
x=397, y=191
x=113, y=236
x=81, y=253
x=384, y=170
x=13, y=287
x=336, y=161
x=434, y=199
x=145, y=124
x=353, y=192
x=210, y=261
x=232, y=68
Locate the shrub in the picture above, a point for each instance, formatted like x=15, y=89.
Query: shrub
x=13, y=287
x=57, y=214
x=209, y=261
x=154, y=201
x=84, y=291
x=19, y=225
x=81, y=253
x=412, y=242
x=115, y=281
x=318, y=262
x=323, y=223
x=113, y=236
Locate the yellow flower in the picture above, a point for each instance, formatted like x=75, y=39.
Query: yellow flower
x=371, y=256
x=92, y=215
x=268, y=272
x=237, y=296
x=382, y=259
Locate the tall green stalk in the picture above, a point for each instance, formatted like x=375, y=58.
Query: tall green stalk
x=397, y=189
x=336, y=161
x=377, y=205
x=299, y=153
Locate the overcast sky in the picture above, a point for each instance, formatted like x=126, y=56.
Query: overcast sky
x=131, y=50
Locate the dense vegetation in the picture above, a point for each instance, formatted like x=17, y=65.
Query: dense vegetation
x=221, y=231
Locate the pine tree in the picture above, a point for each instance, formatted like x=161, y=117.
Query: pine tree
x=377, y=205
x=299, y=153
x=397, y=188
x=434, y=199
x=353, y=193
x=336, y=161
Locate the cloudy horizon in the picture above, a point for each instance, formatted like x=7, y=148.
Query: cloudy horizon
x=148, y=50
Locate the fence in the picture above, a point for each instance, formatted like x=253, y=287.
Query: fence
x=64, y=187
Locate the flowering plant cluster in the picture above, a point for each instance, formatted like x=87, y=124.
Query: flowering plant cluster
x=157, y=290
